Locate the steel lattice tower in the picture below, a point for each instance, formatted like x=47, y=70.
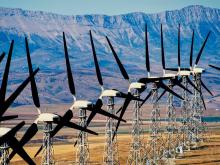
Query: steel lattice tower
x=82, y=153
x=47, y=156
x=111, y=146
x=197, y=111
x=4, y=154
x=171, y=130
x=185, y=114
x=154, y=154
x=137, y=147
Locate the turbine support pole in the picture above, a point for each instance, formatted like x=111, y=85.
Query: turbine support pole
x=171, y=130
x=137, y=147
x=82, y=153
x=111, y=146
x=185, y=115
x=47, y=158
x=197, y=112
x=4, y=154
x=154, y=148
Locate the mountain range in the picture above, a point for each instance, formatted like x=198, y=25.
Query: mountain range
x=126, y=32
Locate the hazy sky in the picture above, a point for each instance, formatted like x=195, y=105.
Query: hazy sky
x=109, y=7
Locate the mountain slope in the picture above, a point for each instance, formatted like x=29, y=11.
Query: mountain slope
x=126, y=32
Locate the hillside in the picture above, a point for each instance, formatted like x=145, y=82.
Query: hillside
x=126, y=32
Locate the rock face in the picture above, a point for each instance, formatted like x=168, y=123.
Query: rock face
x=126, y=33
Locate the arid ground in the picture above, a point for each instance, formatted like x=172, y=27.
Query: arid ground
x=207, y=153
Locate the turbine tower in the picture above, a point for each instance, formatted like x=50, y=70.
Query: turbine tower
x=47, y=119
x=140, y=85
x=154, y=144
x=8, y=140
x=110, y=156
x=137, y=146
x=185, y=104
x=47, y=156
x=172, y=135
x=7, y=135
x=82, y=154
x=156, y=147
x=4, y=148
x=197, y=101
x=111, y=145
x=195, y=127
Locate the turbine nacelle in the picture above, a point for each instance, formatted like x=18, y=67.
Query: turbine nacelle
x=47, y=117
x=4, y=131
x=81, y=104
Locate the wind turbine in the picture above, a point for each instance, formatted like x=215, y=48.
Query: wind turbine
x=4, y=118
x=185, y=110
x=137, y=146
x=197, y=102
x=48, y=119
x=171, y=129
x=157, y=82
x=83, y=105
x=7, y=139
x=110, y=154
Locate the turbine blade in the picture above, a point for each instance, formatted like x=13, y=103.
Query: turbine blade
x=179, y=46
x=206, y=88
x=77, y=140
x=201, y=50
x=142, y=89
x=68, y=68
x=65, y=121
x=162, y=47
x=191, y=50
x=203, y=101
x=6, y=73
x=172, y=69
x=38, y=151
x=75, y=126
x=17, y=148
x=152, y=79
x=129, y=95
x=33, y=83
x=192, y=84
x=147, y=50
x=120, y=65
x=214, y=67
x=3, y=118
x=162, y=94
x=162, y=85
x=94, y=111
x=119, y=110
x=11, y=133
x=146, y=98
x=125, y=105
x=176, y=69
x=104, y=113
x=178, y=83
x=2, y=56
x=98, y=73
x=14, y=95
x=91, y=116
x=61, y=123
x=29, y=134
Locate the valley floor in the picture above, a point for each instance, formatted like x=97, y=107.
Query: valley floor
x=208, y=153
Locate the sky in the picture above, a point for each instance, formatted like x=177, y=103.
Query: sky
x=108, y=7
